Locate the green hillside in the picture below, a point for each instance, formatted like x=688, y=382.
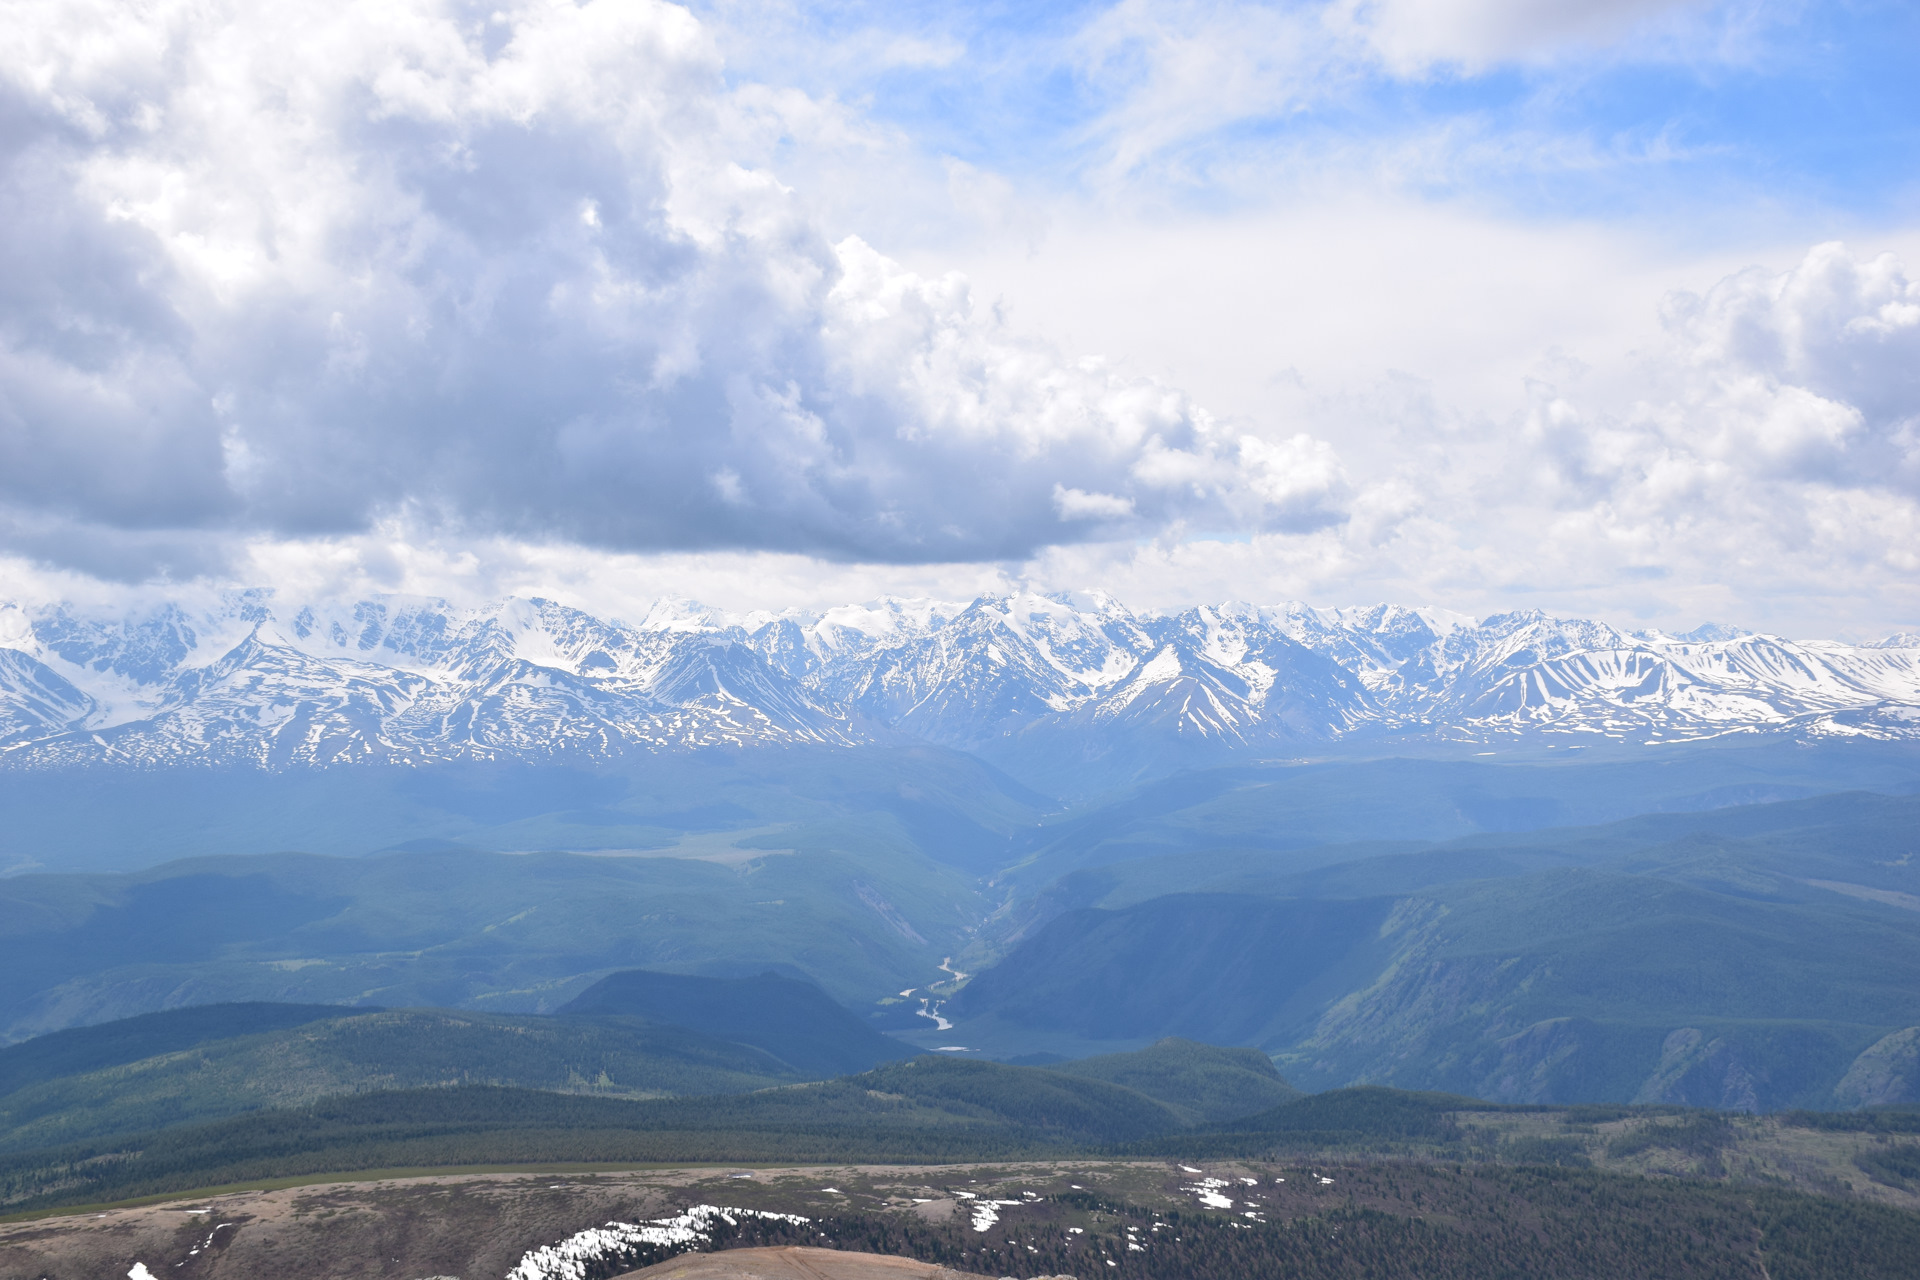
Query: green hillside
x=1213, y=967
x=927, y=1109
x=1760, y=956
x=386, y=1050
x=81, y=1049
x=1566, y=986
x=1202, y=1082
x=1854, y=838
x=1172, y=1085
x=794, y=1021
x=942, y=1110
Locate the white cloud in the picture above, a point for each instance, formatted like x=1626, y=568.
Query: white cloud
x=547, y=304
x=1300, y=480
x=516, y=274
x=1745, y=451
x=1078, y=504
x=1768, y=386
x=1769, y=450
x=1812, y=372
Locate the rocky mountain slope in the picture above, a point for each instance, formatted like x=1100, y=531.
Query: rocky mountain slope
x=257, y=680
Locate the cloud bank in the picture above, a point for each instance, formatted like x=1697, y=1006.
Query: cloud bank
x=296, y=269
x=1785, y=425
x=425, y=296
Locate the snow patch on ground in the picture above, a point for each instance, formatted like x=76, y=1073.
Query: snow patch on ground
x=1208, y=1191
x=985, y=1212
x=580, y=1255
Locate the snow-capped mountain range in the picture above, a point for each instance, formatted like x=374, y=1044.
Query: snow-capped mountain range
x=261, y=681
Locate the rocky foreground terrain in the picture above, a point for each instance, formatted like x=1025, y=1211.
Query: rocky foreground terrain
x=1715, y=1211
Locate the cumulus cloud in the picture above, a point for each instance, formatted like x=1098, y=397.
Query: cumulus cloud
x=1758, y=460
x=1771, y=449
x=1812, y=372
x=296, y=269
x=1768, y=382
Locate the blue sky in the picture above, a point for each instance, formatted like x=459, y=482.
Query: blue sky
x=1807, y=111
x=1603, y=308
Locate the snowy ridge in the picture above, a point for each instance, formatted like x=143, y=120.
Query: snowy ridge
x=256, y=680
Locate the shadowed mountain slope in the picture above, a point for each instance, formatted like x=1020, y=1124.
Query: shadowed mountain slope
x=78, y=1050
x=1215, y=967
x=1658, y=960
x=795, y=1021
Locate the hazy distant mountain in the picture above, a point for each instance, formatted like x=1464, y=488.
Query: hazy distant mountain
x=1024, y=680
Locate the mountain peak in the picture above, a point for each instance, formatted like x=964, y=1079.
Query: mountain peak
x=1028, y=680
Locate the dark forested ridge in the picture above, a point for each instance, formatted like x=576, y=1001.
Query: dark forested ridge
x=382, y=1051
x=930, y=1109
x=66, y=1096
x=629, y=1040
x=77, y=1050
x=1203, y=1082
x=795, y=1021
x=439, y=1088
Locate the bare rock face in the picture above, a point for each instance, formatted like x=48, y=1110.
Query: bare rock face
x=1887, y=1073
x=1698, y=1070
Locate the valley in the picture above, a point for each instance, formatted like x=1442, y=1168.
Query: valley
x=1572, y=933
x=1749, y=957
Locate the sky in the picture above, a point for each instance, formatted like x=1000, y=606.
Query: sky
x=1598, y=308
